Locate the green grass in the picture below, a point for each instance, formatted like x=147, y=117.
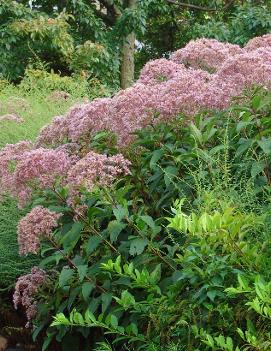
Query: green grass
x=38, y=110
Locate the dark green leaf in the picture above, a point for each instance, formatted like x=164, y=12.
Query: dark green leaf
x=65, y=276
x=137, y=246
x=115, y=228
x=71, y=238
x=87, y=288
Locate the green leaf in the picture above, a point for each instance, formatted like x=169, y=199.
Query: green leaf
x=114, y=321
x=120, y=212
x=93, y=243
x=115, y=228
x=87, y=288
x=212, y=294
x=170, y=174
x=47, y=341
x=156, y=155
x=89, y=317
x=137, y=246
x=132, y=329
x=244, y=146
x=149, y=221
x=106, y=301
x=82, y=271
x=71, y=238
x=265, y=145
x=256, y=102
x=257, y=168
x=242, y=125
x=196, y=133
x=65, y=276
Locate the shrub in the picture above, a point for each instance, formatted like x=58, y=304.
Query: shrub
x=113, y=263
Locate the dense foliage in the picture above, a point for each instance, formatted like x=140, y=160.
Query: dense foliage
x=150, y=210
x=72, y=37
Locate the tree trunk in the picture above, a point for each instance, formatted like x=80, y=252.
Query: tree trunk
x=127, y=70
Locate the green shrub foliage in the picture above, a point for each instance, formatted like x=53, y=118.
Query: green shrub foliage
x=175, y=255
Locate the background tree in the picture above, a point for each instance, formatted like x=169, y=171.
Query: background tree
x=97, y=37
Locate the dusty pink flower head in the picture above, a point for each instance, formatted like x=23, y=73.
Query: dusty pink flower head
x=38, y=168
x=9, y=156
x=259, y=42
x=243, y=71
x=22, y=169
x=37, y=224
x=87, y=119
x=54, y=133
x=186, y=93
x=159, y=71
x=168, y=87
x=26, y=289
x=206, y=54
x=133, y=109
x=96, y=169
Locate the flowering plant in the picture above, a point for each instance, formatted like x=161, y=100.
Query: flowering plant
x=102, y=179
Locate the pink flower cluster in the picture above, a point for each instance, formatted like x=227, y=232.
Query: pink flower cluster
x=206, y=74
x=23, y=169
x=206, y=54
x=95, y=169
x=37, y=224
x=158, y=71
x=259, y=42
x=26, y=289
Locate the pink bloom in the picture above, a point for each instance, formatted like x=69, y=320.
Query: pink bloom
x=207, y=54
x=54, y=133
x=30, y=169
x=96, y=169
x=37, y=224
x=259, y=42
x=26, y=289
x=159, y=71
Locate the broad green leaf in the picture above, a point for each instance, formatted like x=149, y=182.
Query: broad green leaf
x=92, y=244
x=114, y=321
x=170, y=173
x=65, y=276
x=89, y=317
x=212, y=294
x=106, y=301
x=156, y=155
x=265, y=145
x=149, y=221
x=115, y=228
x=71, y=238
x=87, y=288
x=82, y=271
x=244, y=146
x=120, y=212
x=137, y=246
